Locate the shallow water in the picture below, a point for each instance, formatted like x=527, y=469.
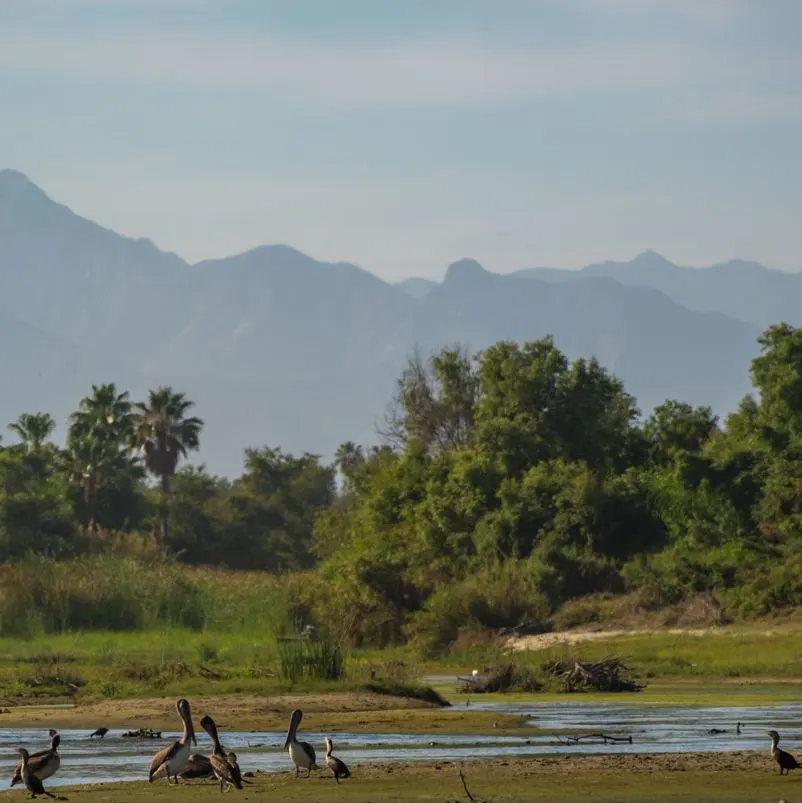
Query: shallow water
x=654, y=729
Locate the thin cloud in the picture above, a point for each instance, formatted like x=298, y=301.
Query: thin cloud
x=407, y=73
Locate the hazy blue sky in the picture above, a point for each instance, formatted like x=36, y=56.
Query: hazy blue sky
x=404, y=134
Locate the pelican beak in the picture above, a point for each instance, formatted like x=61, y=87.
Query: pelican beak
x=286, y=742
x=192, y=734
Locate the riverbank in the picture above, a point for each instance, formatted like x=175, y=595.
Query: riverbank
x=332, y=712
x=741, y=777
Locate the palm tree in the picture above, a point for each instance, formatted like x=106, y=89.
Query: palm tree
x=347, y=457
x=33, y=429
x=101, y=434
x=105, y=416
x=165, y=434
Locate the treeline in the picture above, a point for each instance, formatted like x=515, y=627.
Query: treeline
x=507, y=484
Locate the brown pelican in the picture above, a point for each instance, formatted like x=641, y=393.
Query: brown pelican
x=301, y=753
x=32, y=783
x=42, y=764
x=336, y=765
x=224, y=763
x=101, y=732
x=197, y=766
x=786, y=761
x=173, y=757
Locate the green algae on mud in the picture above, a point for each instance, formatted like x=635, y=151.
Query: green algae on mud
x=741, y=777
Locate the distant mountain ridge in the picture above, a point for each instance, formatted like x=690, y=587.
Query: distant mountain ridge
x=745, y=290
x=278, y=348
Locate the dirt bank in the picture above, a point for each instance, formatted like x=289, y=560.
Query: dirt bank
x=735, y=777
x=336, y=711
x=543, y=641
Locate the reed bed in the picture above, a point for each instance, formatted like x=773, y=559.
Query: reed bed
x=124, y=593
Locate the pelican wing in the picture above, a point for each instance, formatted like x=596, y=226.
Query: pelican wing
x=226, y=771
x=309, y=750
x=162, y=757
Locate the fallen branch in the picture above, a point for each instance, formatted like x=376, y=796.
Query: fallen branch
x=605, y=737
x=467, y=791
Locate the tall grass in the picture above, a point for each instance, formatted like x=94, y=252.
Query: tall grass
x=124, y=593
x=311, y=660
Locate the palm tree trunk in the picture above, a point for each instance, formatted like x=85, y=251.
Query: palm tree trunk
x=87, y=506
x=166, y=488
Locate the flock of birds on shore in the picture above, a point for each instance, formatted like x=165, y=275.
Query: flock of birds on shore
x=175, y=760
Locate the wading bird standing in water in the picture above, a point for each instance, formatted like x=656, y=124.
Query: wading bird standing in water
x=301, y=753
x=172, y=758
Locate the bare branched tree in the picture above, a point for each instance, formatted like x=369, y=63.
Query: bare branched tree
x=434, y=401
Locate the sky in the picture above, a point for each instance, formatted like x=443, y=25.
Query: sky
x=403, y=135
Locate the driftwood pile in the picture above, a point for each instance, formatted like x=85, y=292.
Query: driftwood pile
x=143, y=733
x=610, y=674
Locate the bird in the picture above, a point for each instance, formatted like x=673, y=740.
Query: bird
x=42, y=764
x=336, y=765
x=101, y=732
x=197, y=766
x=174, y=757
x=32, y=782
x=224, y=763
x=301, y=753
x=785, y=760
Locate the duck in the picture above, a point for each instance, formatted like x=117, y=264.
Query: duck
x=42, y=764
x=785, y=760
x=173, y=758
x=336, y=765
x=301, y=753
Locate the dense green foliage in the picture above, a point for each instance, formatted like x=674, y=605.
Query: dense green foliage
x=508, y=485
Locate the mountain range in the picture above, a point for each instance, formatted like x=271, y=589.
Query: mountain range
x=279, y=349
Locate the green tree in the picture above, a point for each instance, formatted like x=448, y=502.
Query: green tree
x=166, y=433
x=33, y=429
x=99, y=440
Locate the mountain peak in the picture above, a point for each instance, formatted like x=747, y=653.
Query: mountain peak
x=651, y=259
x=17, y=182
x=465, y=269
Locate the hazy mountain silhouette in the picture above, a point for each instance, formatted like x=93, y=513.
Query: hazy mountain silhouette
x=277, y=348
x=745, y=290
x=417, y=286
